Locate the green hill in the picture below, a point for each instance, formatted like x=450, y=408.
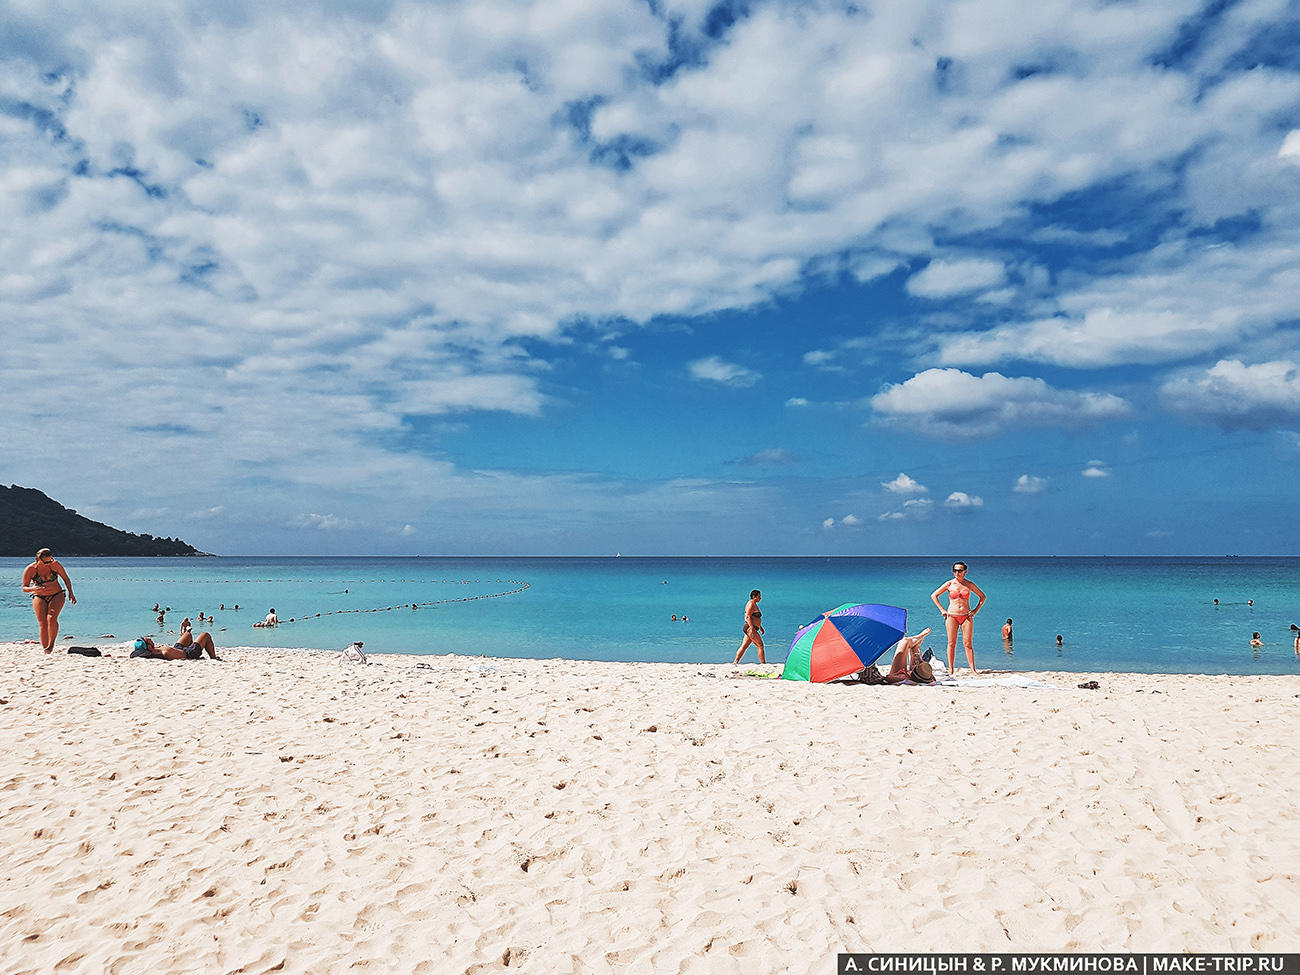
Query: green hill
x=30, y=521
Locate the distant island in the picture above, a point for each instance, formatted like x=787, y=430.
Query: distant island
x=29, y=520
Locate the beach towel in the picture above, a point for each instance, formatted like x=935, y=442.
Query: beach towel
x=1013, y=680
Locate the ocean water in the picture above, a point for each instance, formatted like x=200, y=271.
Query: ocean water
x=1115, y=614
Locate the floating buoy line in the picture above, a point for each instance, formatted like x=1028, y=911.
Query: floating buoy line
x=519, y=584
x=342, y=582
x=432, y=602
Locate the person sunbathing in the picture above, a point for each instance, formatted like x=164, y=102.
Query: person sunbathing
x=188, y=647
x=906, y=657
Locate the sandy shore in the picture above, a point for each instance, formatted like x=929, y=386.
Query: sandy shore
x=279, y=811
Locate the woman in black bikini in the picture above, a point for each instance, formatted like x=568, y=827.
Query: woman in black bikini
x=753, y=628
x=41, y=580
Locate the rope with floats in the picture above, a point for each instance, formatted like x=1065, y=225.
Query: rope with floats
x=339, y=582
x=388, y=609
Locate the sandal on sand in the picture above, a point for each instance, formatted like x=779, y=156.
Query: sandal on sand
x=1089, y=685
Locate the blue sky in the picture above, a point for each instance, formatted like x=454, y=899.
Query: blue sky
x=657, y=276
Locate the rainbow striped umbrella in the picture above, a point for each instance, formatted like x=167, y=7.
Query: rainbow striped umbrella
x=844, y=640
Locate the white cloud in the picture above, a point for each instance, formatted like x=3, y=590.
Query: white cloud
x=1290, y=148
x=943, y=279
x=321, y=522
x=407, y=530
x=818, y=357
x=1237, y=396
x=1096, y=468
x=1183, y=300
x=916, y=508
x=960, y=499
x=717, y=370
x=950, y=404
x=903, y=484
x=795, y=402
x=274, y=234
x=848, y=521
x=1029, y=484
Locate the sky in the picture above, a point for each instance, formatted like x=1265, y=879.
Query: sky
x=658, y=277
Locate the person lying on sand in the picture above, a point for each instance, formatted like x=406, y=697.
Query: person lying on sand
x=907, y=656
x=188, y=647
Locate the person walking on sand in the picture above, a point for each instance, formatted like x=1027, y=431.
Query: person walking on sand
x=753, y=628
x=41, y=582
x=959, y=617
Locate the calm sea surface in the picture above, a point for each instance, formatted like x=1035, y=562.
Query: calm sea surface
x=1118, y=614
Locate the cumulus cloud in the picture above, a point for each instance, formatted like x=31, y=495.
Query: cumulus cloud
x=1029, y=484
x=943, y=279
x=717, y=370
x=950, y=404
x=960, y=499
x=818, y=357
x=1290, y=148
x=796, y=401
x=1237, y=396
x=1184, y=300
x=321, y=522
x=294, y=233
x=848, y=521
x=916, y=508
x=1096, y=468
x=903, y=484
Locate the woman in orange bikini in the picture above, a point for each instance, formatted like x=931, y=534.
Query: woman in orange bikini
x=41, y=582
x=959, y=617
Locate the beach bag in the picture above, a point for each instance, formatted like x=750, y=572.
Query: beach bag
x=86, y=651
x=922, y=673
x=871, y=675
x=353, y=654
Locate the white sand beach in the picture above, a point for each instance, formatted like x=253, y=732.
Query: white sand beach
x=280, y=811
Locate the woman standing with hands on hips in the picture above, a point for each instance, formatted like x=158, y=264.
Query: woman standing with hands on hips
x=959, y=617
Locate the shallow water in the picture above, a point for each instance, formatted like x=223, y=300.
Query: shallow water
x=1115, y=614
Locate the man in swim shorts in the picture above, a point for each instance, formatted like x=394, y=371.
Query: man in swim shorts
x=188, y=647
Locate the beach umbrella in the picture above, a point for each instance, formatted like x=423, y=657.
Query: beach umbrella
x=844, y=640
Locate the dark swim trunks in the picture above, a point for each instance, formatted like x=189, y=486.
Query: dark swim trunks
x=193, y=651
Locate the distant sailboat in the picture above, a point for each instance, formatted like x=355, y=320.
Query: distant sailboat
x=618, y=555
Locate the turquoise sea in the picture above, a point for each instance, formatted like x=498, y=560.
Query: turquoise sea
x=1115, y=614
